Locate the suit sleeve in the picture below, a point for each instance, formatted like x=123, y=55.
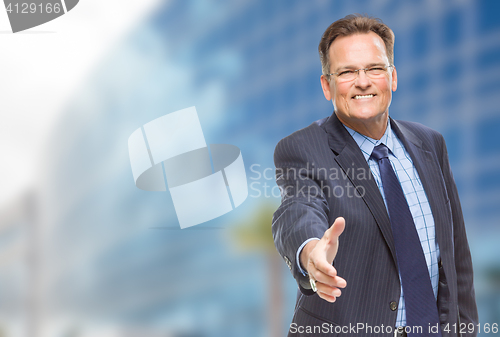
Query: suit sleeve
x=463, y=263
x=303, y=213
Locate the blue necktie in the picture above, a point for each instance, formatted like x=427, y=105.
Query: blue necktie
x=420, y=303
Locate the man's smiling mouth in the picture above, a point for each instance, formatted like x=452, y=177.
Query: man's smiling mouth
x=363, y=96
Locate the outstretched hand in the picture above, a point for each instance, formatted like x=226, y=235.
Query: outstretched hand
x=317, y=257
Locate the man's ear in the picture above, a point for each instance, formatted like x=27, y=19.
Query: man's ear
x=326, y=87
x=394, y=79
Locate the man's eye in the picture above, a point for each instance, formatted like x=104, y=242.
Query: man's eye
x=346, y=73
x=376, y=70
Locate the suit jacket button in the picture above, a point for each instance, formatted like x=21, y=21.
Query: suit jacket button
x=393, y=305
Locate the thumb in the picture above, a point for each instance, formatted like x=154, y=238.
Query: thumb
x=332, y=239
x=333, y=233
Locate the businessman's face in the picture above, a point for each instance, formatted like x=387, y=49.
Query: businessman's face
x=362, y=102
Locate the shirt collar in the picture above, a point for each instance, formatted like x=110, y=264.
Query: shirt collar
x=366, y=144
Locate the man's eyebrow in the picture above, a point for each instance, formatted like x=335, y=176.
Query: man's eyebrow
x=350, y=67
x=379, y=64
x=345, y=68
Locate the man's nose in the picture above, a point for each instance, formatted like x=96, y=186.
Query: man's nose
x=362, y=80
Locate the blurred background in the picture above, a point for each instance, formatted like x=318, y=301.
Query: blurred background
x=83, y=252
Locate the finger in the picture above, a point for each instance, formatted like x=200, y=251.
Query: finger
x=336, y=281
x=340, y=282
x=328, y=298
x=327, y=290
x=323, y=278
x=322, y=266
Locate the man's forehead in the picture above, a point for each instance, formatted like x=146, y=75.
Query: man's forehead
x=366, y=47
x=358, y=39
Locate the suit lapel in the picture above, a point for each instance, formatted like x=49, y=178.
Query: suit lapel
x=351, y=160
x=430, y=175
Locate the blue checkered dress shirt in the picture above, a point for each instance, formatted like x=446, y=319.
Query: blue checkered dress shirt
x=415, y=196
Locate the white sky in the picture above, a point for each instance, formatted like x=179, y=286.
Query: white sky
x=39, y=71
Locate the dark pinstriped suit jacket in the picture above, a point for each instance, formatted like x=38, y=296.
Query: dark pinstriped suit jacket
x=314, y=166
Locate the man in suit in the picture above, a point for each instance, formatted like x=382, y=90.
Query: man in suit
x=371, y=257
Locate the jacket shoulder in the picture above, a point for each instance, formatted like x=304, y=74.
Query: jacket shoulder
x=419, y=129
x=306, y=136
x=427, y=135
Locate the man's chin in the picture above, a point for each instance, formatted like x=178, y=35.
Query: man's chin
x=369, y=115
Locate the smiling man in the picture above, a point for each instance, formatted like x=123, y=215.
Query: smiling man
x=392, y=258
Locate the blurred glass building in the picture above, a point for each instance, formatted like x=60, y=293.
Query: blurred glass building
x=86, y=253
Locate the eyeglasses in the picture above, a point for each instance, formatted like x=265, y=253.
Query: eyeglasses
x=371, y=72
